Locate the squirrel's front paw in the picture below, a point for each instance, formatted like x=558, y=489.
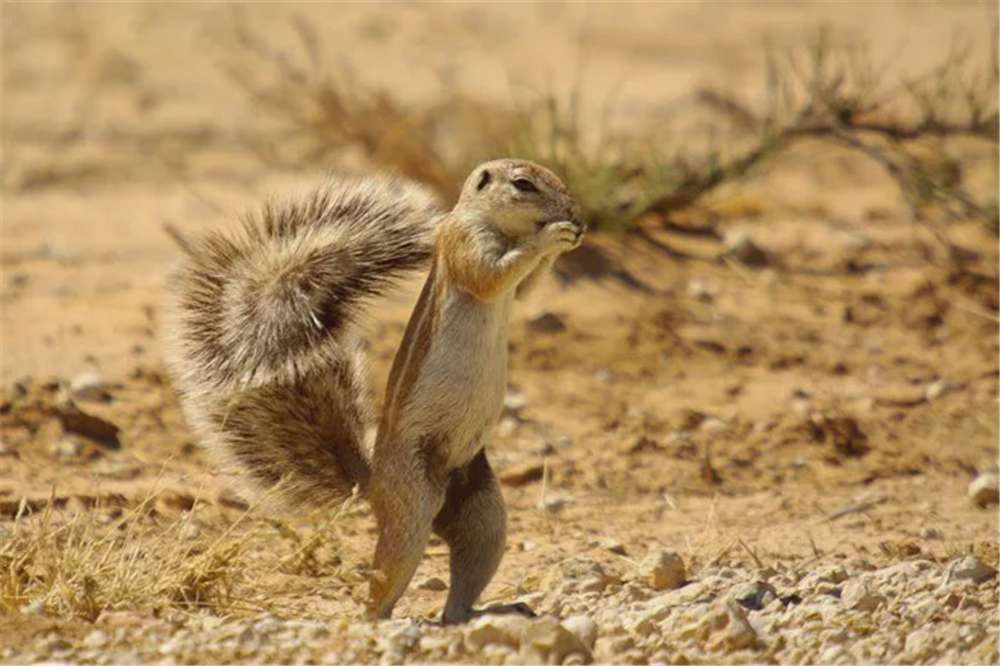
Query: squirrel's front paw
x=559, y=237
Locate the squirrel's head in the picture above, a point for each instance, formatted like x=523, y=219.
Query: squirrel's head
x=517, y=197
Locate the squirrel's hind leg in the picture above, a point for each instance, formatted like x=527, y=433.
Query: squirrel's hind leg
x=473, y=522
x=405, y=506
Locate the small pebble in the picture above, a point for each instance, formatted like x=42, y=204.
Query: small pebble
x=856, y=595
x=971, y=568
x=433, y=583
x=67, y=448
x=756, y=595
x=740, y=246
x=937, y=389
x=547, y=322
x=985, y=489
x=584, y=628
x=663, y=570
x=616, y=547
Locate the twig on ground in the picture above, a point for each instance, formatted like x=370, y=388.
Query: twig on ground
x=861, y=507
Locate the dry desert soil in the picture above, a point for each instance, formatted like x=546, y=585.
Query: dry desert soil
x=704, y=459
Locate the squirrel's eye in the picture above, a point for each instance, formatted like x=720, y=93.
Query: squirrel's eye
x=524, y=185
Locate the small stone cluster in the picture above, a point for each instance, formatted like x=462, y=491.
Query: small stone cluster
x=842, y=612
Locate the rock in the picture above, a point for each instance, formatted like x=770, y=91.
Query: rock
x=547, y=322
x=574, y=574
x=584, y=628
x=552, y=504
x=433, y=583
x=727, y=628
x=833, y=654
x=514, y=402
x=611, y=648
x=267, y=624
x=903, y=395
x=634, y=591
x=907, y=571
x=741, y=634
x=56, y=644
x=507, y=427
x=546, y=638
x=985, y=489
x=642, y=627
x=614, y=546
x=713, y=425
x=592, y=584
x=937, y=389
x=318, y=633
x=74, y=420
x=88, y=387
x=825, y=587
x=67, y=448
x=971, y=568
x=921, y=643
x=397, y=642
x=740, y=246
x=835, y=574
x=702, y=291
x=856, y=596
x=174, y=645
x=96, y=639
x=756, y=595
x=495, y=630
x=663, y=570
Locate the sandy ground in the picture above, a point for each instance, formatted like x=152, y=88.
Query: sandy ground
x=831, y=407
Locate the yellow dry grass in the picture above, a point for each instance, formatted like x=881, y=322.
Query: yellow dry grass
x=80, y=564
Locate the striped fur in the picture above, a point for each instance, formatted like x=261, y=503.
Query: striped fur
x=447, y=383
x=263, y=352
x=271, y=375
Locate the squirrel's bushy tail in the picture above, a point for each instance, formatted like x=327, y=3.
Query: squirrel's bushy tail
x=262, y=348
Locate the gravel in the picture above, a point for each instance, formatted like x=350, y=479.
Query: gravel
x=848, y=612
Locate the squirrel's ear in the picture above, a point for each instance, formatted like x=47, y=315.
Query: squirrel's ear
x=484, y=179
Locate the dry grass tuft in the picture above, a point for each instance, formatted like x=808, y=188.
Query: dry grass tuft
x=325, y=114
x=83, y=564
x=826, y=88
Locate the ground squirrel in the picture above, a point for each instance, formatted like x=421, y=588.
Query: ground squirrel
x=267, y=361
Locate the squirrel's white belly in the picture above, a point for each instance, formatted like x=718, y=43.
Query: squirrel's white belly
x=464, y=379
